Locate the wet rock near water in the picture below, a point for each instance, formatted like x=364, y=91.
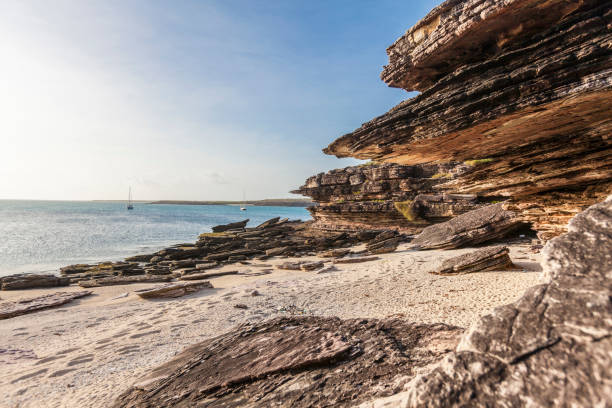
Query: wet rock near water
x=231, y=243
x=32, y=280
x=35, y=304
x=295, y=361
x=485, y=259
x=474, y=227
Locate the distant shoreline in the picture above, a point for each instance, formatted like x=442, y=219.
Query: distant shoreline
x=287, y=202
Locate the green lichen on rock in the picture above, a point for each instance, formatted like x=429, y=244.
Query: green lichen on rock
x=441, y=175
x=476, y=162
x=406, y=208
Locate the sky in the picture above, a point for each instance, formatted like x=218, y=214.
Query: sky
x=187, y=99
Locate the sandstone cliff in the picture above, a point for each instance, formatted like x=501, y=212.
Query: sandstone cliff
x=519, y=91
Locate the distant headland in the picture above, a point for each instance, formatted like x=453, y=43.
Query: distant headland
x=281, y=202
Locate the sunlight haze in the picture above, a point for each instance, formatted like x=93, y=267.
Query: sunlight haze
x=192, y=100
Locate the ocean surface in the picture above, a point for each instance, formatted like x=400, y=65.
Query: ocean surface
x=41, y=236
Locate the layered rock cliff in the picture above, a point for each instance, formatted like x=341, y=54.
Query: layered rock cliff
x=520, y=91
x=387, y=196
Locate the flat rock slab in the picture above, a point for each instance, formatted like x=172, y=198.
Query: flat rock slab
x=123, y=280
x=334, y=253
x=474, y=227
x=175, y=290
x=486, y=259
x=356, y=260
x=206, y=275
x=311, y=266
x=290, y=266
x=25, y=306
x=31, y=280
x=293, y=361
x=231, y=226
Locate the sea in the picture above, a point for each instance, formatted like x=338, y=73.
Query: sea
x=42, y=236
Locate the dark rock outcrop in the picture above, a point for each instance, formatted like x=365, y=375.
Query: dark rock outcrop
x=481, y=260
x=520, y=91
x=297, y=362
x=25, y=306
x=474, y=227
x=550, y=348
x=237, y=243
x=31, y=280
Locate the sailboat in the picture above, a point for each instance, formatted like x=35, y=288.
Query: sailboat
x=129, y=204
x=243, y=206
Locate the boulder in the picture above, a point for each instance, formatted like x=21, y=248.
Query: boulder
x=294, y=362
x=24, y=306
x=474, y=227
x=174, y=290
x=485, y=259
x=27, y=281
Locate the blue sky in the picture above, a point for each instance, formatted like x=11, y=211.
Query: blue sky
x=186, y=99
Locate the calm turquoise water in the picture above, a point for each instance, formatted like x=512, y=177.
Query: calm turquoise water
x=38, y=236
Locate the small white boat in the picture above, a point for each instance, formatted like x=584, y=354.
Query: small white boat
x=243, y=206
x=129, y=204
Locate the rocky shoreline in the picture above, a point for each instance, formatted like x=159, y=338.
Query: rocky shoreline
x=467, y=264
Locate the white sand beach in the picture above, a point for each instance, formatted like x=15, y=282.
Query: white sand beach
x=86, y=353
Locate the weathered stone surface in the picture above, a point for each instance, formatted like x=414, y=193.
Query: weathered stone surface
x=356, y=260
x=120, y=280
x=25, y=306
x=386, y=196
x=519, y=91
x=311, y=266
x=550, y=348
x=174, y=290
x=232, y=226
x=290, y=266
x=481, y=260
x=297, y=362
x=334, y=253
x=32, y=280
x=474, y=227
x=207, y=275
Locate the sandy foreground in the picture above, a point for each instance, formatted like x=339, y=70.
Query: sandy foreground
x=86, y=353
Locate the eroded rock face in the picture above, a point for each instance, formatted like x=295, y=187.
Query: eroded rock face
x=297, y=362
x=519, y=90
x=550, y=348
x=474, y=227
x=385, y=196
